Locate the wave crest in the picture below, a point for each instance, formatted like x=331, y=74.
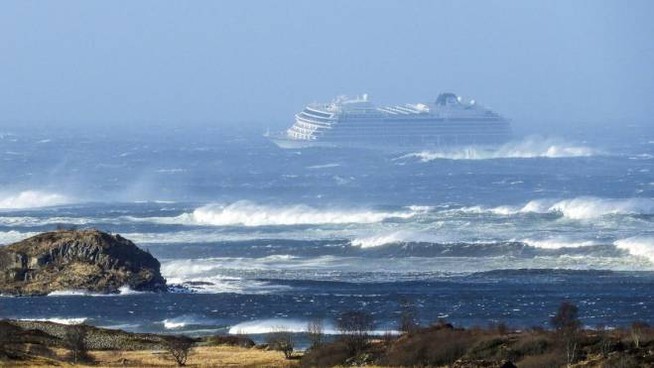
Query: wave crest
x=641, y=246
x=576, y=208
x=528, y=148
x=32, y=199
x=379, y=240
x=246, y=213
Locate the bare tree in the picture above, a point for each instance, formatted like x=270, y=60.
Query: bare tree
x=75, y=340
x=280, y=339
x=316, y=332
x=567, y=324
x=637, y=332
x=408, y=316
x=354, y=327
x=179, y=348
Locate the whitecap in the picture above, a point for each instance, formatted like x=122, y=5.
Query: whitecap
x=532, y=147
x=32, y=199
x=378, y=240
x=558, y=243
x=641, y=246
x=578, y=208
x=60, y=320
x=266, y=326
x=12, y=236
x=185, y=320
x=246, y=213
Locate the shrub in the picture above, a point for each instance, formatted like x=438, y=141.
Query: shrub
x=316, y=332
x=567, y=324
x=75, y=341
x=354, y=327
x=431, y=347
x=327, y=355
x=549, y=360
x=408, y=317
x=179, y=348
x=281, y=340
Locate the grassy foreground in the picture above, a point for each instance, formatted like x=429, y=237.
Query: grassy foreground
x=204, y=356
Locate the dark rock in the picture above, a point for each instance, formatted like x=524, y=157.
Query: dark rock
x=88, y=260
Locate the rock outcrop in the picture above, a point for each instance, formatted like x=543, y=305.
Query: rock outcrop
x=88, y=260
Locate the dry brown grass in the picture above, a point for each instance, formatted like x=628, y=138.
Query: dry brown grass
x=209, y=356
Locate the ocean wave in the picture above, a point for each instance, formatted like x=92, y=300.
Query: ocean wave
x=378, y=240
x=12, y=236
x=641, y=246
x=204, y=275
x=576, y=208
x=528, y=148
x=558, y=243
x=123, y=290
x=32, y=199
x=246, y=213
x=60, y=320
x=266, y=326
x=40, y=221
x=184, y=321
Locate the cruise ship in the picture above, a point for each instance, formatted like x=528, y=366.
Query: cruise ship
x=358, y=123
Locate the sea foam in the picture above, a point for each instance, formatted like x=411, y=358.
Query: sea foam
x=63, y=321
x=641, y=246
x=32, y=199
x=265, y=326
x=12, y=236
x=529, y=148
x=246, y=213
x=378, y=240
x=576, y=208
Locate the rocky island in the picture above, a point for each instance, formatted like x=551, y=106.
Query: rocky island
x=89, y=260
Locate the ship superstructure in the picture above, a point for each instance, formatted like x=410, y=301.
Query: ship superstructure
x=357, y=122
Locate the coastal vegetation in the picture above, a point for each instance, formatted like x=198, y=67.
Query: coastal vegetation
x=566, y=344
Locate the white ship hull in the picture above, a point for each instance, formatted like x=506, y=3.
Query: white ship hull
x=359, y=124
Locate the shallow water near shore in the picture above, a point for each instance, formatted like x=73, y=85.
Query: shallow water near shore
x=263, y=238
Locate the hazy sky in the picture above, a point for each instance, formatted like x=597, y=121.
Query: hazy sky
x=260, y=61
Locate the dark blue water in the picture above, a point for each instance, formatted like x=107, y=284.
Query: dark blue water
x=266, y=237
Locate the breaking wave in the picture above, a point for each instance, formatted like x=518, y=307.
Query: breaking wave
x=558, y=243
x=63, y=321
x=184, y=321
x=529, y=148
x=246, y=213
x=204, y=275
x=641, y=246
x=394, y=238
x=265, y=326
x=32, y=199
x=576, y=208
x=12, y=236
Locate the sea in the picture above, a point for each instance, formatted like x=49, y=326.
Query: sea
x=255, y=239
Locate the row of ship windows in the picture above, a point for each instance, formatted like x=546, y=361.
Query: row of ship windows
x=316, y=113
x=322, y=122
x=308, y=125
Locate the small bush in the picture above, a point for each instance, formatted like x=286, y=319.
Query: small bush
x=179, y=348
x=492, y=348
x=549, y=360
x=532, y=345
x=327, y=355
x=433, y=347
x=316, y=332
x=354, y=327
x=75, y=340
x=281, y=340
